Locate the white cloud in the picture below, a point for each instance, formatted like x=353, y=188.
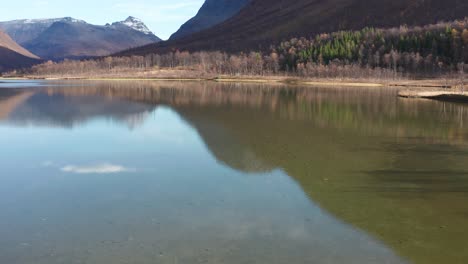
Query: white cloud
x=104, y=168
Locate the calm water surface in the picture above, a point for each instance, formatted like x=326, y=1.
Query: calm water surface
x=150, y=172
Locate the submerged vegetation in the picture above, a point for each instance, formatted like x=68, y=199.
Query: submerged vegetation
x=432, y=50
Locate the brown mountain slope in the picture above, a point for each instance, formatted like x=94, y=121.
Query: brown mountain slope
x=263, y=22
x=10, y=60
x=9, y=43
x=13, y=56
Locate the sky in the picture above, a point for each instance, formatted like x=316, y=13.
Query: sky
x=163, y=17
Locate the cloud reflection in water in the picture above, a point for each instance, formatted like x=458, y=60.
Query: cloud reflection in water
x=104, y=168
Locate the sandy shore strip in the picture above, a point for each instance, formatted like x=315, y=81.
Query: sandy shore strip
x=444, y=95
x=422, y=84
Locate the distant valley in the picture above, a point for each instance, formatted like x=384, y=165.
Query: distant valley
x=61, y=38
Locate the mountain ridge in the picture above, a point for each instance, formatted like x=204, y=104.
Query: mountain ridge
x=211, y=13
x=262, y=23
x=67, y=37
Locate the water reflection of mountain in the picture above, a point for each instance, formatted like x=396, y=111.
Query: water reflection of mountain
x=394, y=168
x=409, y=194
x=362, y=110
x=10, y=99
x=401, y=176
x=41, y=109
x=399, y=173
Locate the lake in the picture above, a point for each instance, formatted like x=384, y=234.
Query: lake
x=200, y=172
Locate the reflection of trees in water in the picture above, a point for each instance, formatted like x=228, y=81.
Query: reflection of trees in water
x=366, y=109
x=390, y=166
x=363, y=155
x=409, y=193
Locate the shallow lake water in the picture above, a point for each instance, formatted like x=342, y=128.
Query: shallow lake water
x=153, y=172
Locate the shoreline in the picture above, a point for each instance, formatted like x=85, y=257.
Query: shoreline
x=317, y=82
x=433, y=89
x=440, y=95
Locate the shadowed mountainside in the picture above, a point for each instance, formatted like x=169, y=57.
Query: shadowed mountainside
x=211, y=13
x=265, y=22
x=10, y=60
x=14, y=56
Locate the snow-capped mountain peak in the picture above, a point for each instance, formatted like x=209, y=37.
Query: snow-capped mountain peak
x=48, y=21
x=136, y=24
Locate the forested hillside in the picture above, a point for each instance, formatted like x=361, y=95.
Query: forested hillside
x=412, y=49
x=265, y=22
x=431, y=50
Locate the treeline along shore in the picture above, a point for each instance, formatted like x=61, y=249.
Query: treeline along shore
x=436, y=52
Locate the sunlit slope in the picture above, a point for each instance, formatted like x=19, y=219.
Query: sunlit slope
x=14, y=56
x=8, y=43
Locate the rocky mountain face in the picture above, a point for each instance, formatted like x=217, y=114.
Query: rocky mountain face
x=262, y=23
x=211, y=13
x=62, y=38
x=25, y=30
x=134, y=23
x=14, y=56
